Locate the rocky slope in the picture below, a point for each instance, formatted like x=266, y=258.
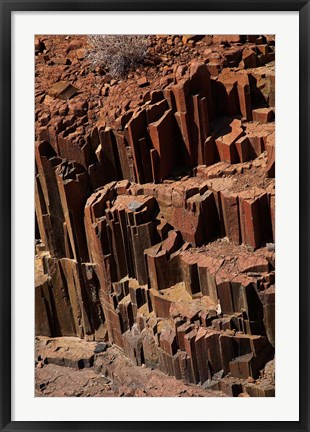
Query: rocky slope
x=155, y=205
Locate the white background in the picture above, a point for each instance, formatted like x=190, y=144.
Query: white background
x=285, y=405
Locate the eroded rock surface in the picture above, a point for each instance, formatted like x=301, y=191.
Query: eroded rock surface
x=155, y=216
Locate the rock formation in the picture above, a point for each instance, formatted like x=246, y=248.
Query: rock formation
x=155, y=205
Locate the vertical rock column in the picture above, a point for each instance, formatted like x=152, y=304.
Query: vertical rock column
x=73, y=189
x=49, y=210
x=118, y=230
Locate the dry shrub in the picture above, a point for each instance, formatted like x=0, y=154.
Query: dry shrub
x=117, y=53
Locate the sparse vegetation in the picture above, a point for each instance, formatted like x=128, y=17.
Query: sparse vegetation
x=118, y=54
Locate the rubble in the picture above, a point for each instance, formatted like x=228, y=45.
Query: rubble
x=111, y=375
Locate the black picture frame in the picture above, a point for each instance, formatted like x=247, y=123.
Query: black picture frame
x=7, y=7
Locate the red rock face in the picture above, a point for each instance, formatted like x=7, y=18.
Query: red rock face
x=155, y=206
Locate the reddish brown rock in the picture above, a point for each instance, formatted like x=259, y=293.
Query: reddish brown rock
x=142, y=82
x=155, y=210
x=162, y=134
x=226, y=144
x=63, y=90
x=226, y=38
x=263, y=115
x=254, y=217
x=230, y=208
x=249, y=58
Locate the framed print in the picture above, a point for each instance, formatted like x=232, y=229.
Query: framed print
x=154, y=161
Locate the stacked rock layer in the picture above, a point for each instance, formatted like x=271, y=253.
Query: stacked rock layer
x=157, y=221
